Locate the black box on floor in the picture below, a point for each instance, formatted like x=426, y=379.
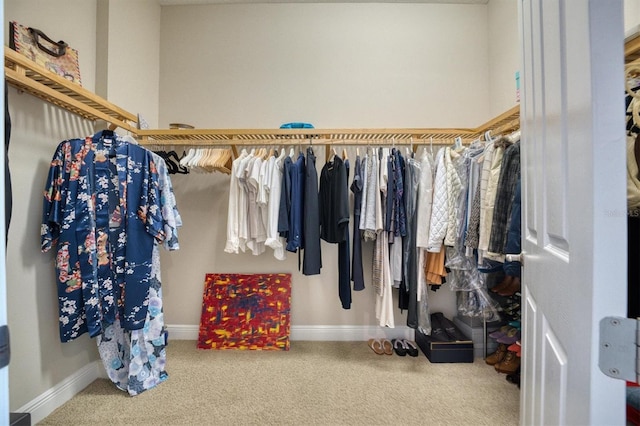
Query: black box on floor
x=461, y=351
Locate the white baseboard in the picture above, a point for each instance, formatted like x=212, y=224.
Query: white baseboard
x=313, y=332
x=47, y=402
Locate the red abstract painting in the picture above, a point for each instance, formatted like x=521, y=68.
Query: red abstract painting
x=245, y=311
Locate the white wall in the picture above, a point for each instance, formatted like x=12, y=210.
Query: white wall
x=334, y=65
x=129, y=55
x=631, y=16
x=504, y=54
x=38, y=359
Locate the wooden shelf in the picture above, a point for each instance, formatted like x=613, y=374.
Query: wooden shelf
x=503, y=123
x=28, y=76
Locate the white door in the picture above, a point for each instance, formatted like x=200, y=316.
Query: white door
x=574, y=211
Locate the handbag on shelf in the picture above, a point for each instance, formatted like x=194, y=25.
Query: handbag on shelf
x=57, y=57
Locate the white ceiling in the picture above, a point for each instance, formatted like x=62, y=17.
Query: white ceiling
x=191, y=2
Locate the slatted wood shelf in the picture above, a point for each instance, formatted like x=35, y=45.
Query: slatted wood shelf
x=30, y=77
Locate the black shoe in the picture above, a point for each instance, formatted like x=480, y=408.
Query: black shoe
x=411, y=348
x=399, y=347
x=437, y=330
x=449, y=327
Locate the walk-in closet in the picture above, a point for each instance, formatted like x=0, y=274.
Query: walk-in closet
x=299, y=212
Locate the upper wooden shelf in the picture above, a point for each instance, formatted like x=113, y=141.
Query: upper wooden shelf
x=26, y=75
x=503, y=123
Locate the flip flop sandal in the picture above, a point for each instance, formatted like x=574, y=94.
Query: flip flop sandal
x=399, y=347
x=412, y=349
x=376, y=346
x=387, y=347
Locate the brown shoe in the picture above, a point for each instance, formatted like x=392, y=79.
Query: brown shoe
x=497, y=356
x=509, y=364
x=510, y=289
x=506, y=282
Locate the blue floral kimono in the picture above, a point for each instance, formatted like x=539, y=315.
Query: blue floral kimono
x=103, y=211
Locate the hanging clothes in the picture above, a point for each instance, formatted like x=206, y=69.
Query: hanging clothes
x=8, y=198
x=105, y=209
x=257, y=231
x=233, y=215
x=312, y=262
x=135, y=360
x=396, y=219
x=295, y=240
x=284, y=211
x=513, y=245
x=334, y=218
x=509, y=175
x=274, y=240
x=491, y=175
x=454, y=187
x=370, y=216
x=423, y=220
x=425, y=200
x=440, y=206
x=344, y=266
x=410, y=262
x=383, y=280
x=357, y=274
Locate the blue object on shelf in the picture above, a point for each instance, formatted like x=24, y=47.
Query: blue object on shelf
x=297, y=126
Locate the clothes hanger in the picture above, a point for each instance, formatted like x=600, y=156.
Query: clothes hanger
x=187, y=158
x=487, y=137
x=457, y=143
x=173, y=159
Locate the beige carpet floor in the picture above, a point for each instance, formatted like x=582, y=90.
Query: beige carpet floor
x=328, y=383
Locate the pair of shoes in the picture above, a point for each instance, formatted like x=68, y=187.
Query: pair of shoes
x=509, y=364
x=502, y=331
x=512, y=308
x=511, y=288
x=403, y=347
x=509, y=338
x=514, y=378
x=445, y=329
x=506, y=282
x=517, y=348
x=497, y=356
x=381, y=347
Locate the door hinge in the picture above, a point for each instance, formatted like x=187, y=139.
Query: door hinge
x=619, y=339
